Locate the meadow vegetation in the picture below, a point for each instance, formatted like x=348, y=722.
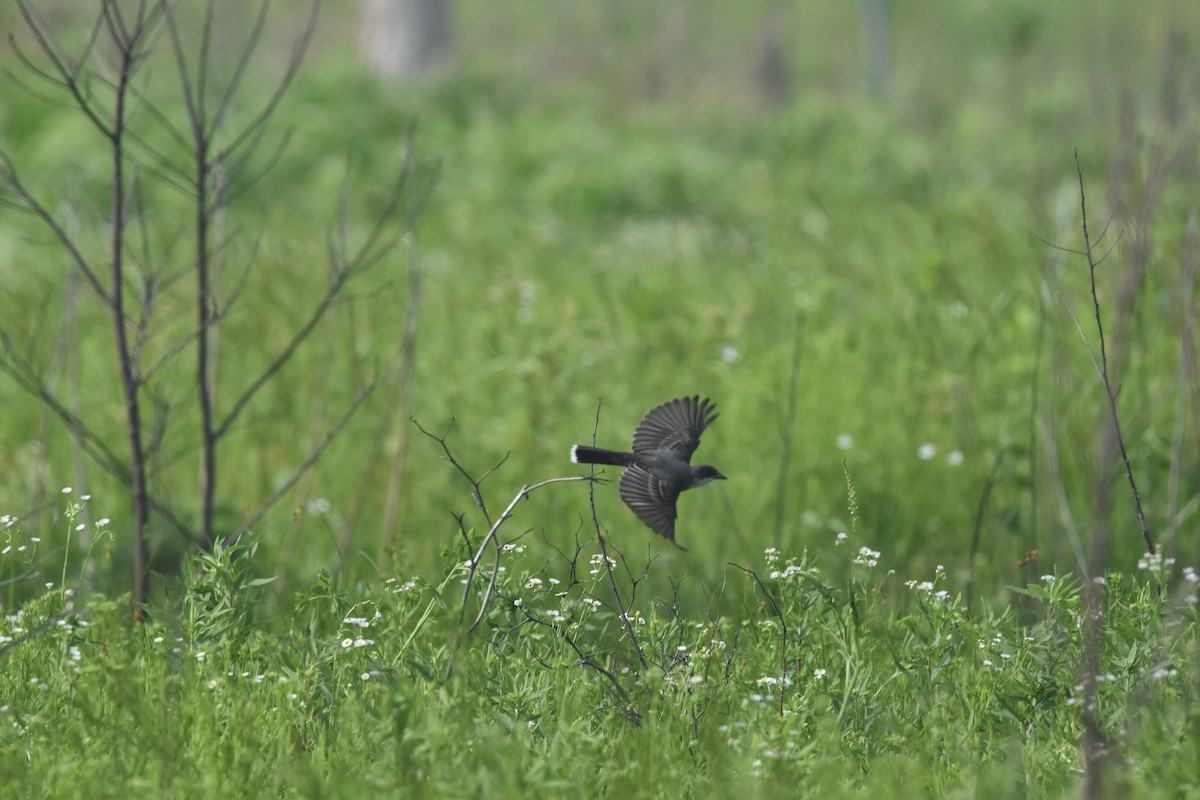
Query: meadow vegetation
x=926, y=569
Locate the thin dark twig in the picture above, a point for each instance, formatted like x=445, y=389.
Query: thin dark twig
x=343, y=268
x=477, y=494
x=783, y=645
x=1108, y=389
x=45, y=626
x=23, y=199
x=623, y=612
x=396, y=447
x=977, y=529
x=788, y=430
x=363, y=393
x=490, y=538
x=31, y=575
x=591, y=663
x=1187, y=360
x=23, y=373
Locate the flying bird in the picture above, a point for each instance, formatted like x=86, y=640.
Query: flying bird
x=659, y=468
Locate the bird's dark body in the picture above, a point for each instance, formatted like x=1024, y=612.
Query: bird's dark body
x=659, y=468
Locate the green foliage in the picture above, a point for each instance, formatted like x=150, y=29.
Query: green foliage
x=785, y=682
x=619, y=217
x=635, y=247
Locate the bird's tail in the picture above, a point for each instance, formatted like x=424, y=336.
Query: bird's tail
x=582, y=454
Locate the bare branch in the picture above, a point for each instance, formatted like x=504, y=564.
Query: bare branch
x=21, y=371
x=622, y=610
x=309, y=461
x=1108, y=389
x=490, y=538
x=17, y=195
x=477, y=494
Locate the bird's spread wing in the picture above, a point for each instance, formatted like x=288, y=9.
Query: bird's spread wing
x=651, y=499
x=675, y=426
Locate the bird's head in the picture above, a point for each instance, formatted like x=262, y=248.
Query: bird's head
x=706, y=473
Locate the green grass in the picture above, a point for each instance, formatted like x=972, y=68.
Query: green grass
x=784, y=682
x=617, y=216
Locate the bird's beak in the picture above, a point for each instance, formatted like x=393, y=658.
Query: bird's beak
x=721, y=477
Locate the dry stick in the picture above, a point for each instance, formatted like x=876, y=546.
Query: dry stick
x=490, y=538
x=133, y=38
x=789, y=423
x=45, y=626
x=1103, y=368
x=78, y=459
x=977, y=529
x=320, y=400
x=477, y=494
x=207, y=185
x=31, y=575
x=612, y=580
x=403, y=402
x=783, y=644
x=1044, y=303
x=305, y=466
x=1187, y=357
x=1063, y=502
x=91, y=442
x=130, y=41
x=127, y=58
x=587, y=661
x=23, y=373
x=1094, y=740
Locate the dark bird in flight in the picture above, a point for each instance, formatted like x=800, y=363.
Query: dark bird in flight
x=659, y=468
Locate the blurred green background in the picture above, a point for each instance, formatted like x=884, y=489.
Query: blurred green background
x=637, y=201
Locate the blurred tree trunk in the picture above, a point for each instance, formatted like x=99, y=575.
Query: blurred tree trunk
x=404, y=40
x=877, y=45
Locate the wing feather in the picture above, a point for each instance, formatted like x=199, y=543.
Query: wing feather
x=651, y=499
x=675, y=425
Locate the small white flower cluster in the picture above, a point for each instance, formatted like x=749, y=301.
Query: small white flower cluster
x=768, y=680
x=537, y=584
x=598, y=560
x=1155, y=563
x=789, y=571
x=361, y=622
x=407, y=586
x=866, y=557
x=927, y=586
x=1190, y=575
x=996, y=643
x=317, y=506
x=928, y=450
x=513, y=548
